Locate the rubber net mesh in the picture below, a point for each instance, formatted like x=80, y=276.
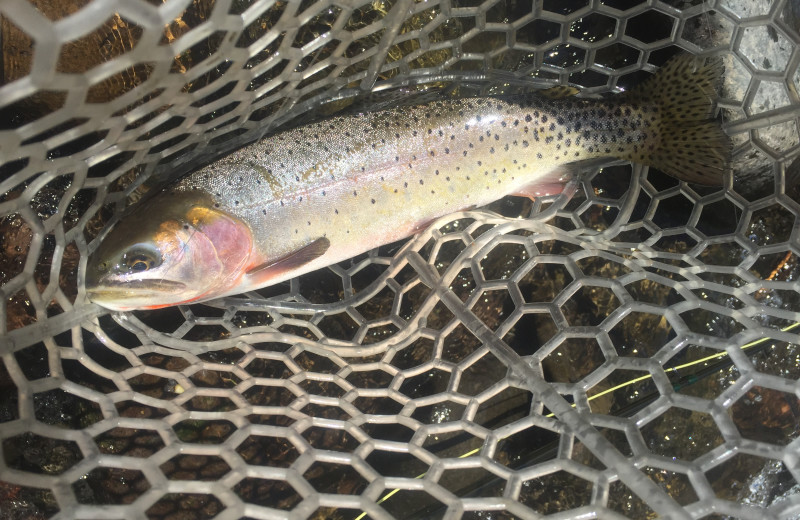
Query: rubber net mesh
x=624, y=349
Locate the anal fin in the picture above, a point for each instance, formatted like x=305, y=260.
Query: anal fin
x=553, y=182
x=539, y=189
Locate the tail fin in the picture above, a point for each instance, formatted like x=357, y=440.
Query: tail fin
x=693, y=147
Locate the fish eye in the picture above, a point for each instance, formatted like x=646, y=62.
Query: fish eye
x=140, y=259
x=140, y=263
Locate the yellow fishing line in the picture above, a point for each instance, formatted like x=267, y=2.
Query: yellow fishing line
x=391, y=493
x=719, y=355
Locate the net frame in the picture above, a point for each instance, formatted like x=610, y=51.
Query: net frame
x=112, y=415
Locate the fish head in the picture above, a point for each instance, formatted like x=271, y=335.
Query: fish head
x=177, y=248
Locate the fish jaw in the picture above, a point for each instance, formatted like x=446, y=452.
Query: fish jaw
x=123, y=296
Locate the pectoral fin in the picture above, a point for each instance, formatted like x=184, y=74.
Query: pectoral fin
x=292, y=261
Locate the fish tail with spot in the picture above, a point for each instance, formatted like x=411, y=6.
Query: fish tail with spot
x=324, y=192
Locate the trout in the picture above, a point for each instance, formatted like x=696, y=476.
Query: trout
x=321, y=193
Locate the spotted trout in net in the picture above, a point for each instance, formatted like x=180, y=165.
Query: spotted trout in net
x=325, y=192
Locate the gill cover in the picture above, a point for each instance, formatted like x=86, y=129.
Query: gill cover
x=176, y=248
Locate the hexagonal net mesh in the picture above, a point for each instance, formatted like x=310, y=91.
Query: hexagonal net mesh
x=624, y=349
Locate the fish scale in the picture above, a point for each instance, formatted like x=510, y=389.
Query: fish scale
x=401, y=168
x=324, y=192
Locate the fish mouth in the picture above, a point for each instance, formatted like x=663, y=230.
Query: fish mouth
x=121, y=290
